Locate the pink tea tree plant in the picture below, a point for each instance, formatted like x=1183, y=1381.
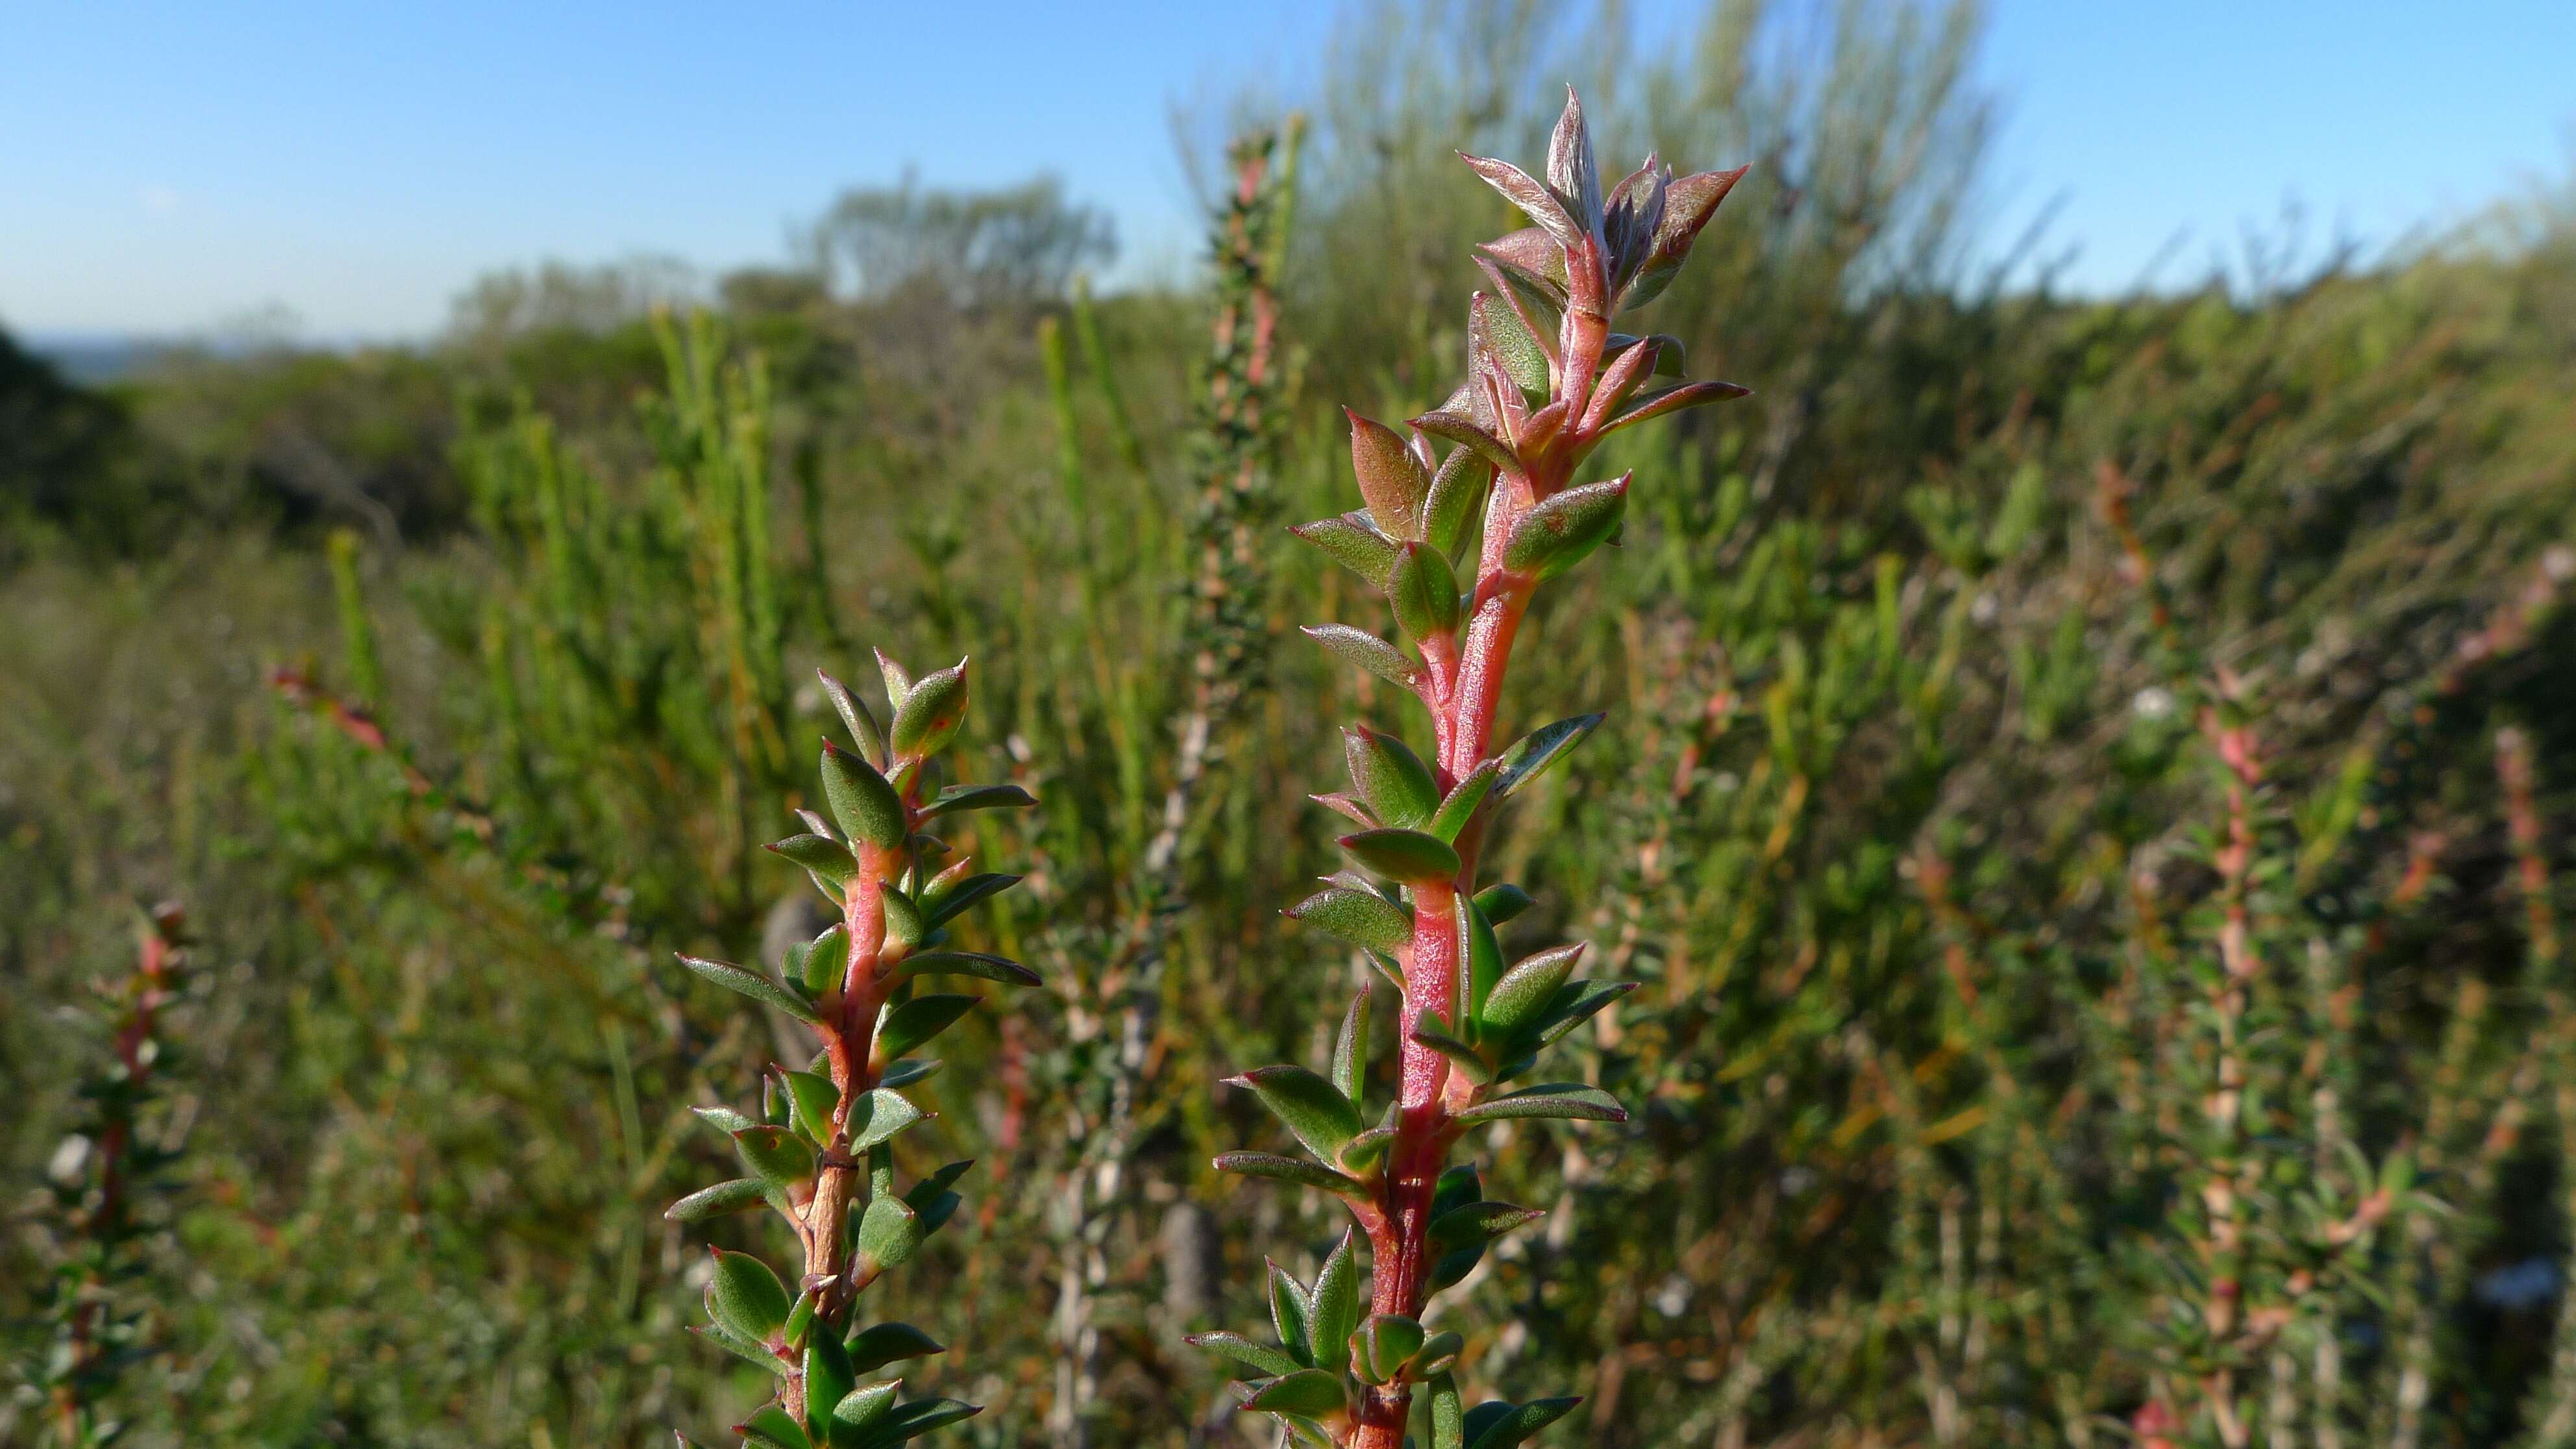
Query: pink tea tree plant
x=1548, y=380
x=819, y=1154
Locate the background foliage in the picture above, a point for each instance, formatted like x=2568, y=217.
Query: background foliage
x=1902, y=809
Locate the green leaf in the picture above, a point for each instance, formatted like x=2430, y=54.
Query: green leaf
x=724, y=1197
x=860, y=1410
x=739, y=1346
x=1575, y=1003
x=1362, y=1153
x=1515, y=1423
x=874, y=1347
x=1457, y=496
x=772, y=1428
x=1382, y=1347
x=1292, y=1313
x=1313, y=1108
x=1354, y=542
x=1431, y=1031
x=724, y=1119
x=1287, y=1169
x=1571, y=1101
x=1350, y=1048
x=826, y=961
x=905, y=1073
x=911, y=1024
x=1363, y=918
x=967, y=963
x=1540, y=749
x=814, y=1098
x=1261, y=1358
x=854, y=714
x=1502, y=332
x=1502, y=901
x=1560, y=532
x=1390, y=777
x=957, y=799
x=1424, y=593
x=1369, y=652
x=1406, y=856
x=932, y=1203
x=745, y=1298
x=1484, y=967
x=943, y=905
x=930, y=714
x=1459, y=806
x=1448, y=1429
x=1672, y=400
x=865, y=805
x=912, y=1420
x=878, y=1116
x=1526, y=990
x=1460, y=428
x=820, y=854
x=1391, y=478
x=1336, y=1301
x=1307, y=1393
x=1474, y=1224
x=904, y=927
x=897, y=682
x=828, y=1378
x=775, y=1155
x=889, y=1232
x=1438, y=1353
x=754, y=985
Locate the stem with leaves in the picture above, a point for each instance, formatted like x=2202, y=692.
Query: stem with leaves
x=98, y=1174
x=1548, y=381
x=821, y=1153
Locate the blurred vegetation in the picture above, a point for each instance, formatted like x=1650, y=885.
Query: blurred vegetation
x=1915, y=841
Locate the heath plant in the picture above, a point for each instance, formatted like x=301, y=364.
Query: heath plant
x=819, y=1153
x=1548, y=380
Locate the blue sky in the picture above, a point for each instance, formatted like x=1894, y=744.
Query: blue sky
x=173, y=168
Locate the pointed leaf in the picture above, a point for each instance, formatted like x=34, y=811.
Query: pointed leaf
x=945, y=904
x=1355, y=543
x=1292, y=1313
x=724, y=1197
x=930, y=714
x=1393, y=780
x=1672, y=400
x=1336, y=1301
x=1504, y=901
x=861, y=1410
x=1541, y=748
x=1408, y=856
x=874, y=1347
x=1307, y=1393
x=1350, y=1047
x=775, y=1155
x=959, y=798
x=1534, y=200
x=1423, y=593
x=829, y=1378
x=878, y=1116
x=1459, y=806
x=1391, y=478
x=1570, y=1101
x=1526, y=991
x=1460, y=428
x=1368, y=652
x=826, y=960
x=1518, y=1422
x=911, y=1421
x=745, y=1297
x=855, y=715
x=772, y=1428
x=1287, y=1169
x=1494, y=326
x=889, y=1232
x=1448, y=1421
x=1261, y=1358
x=754, y=985
x=865, y=805
x=820, y=854
x=1362, y=917
x=912, y=1024
x=1562, y=531
x=1457, y=497
x=968, y=963
x=1429, y=1030
x=1311, y=1107
x=1575, y=1003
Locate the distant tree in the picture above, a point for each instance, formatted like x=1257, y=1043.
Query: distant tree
x=561, y=296
x=974, y=248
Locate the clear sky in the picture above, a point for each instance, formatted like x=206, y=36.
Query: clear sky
x=169, y=168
